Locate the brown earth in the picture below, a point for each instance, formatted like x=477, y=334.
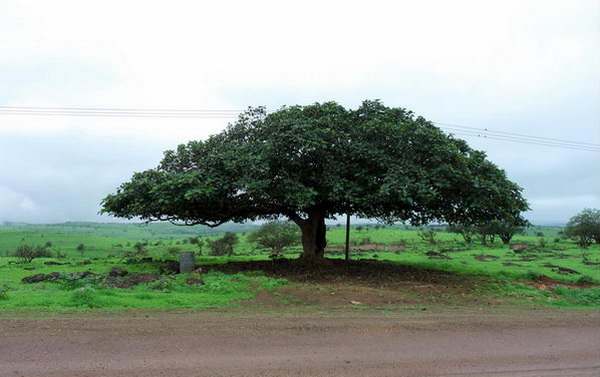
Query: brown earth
x=254, y=342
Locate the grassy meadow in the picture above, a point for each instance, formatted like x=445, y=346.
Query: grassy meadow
x=506, y=274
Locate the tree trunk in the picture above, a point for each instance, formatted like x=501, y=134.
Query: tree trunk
x=314, y=236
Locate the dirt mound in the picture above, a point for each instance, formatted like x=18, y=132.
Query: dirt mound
x=38, y=278
x=484, y=257
x=53, y=263
x=361, y=272
x=131, y=280
x=546, y=283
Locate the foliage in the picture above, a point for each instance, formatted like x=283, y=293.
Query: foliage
x=199, y=242
x=223, y=245
x=466, y=231
x=506, y=229
x=137, y=252
x=427, y=235
x=276, y=235
x=584, y=227
x=27, y=253
x=312, y=162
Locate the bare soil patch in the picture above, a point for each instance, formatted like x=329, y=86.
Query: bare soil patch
x=365, y=273
x=229, y=343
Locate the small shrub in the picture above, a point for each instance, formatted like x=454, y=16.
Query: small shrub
x=533, y=276
x=224, y=245
x=138, y=252
x=542, y=242
x=365, y=241
x=585, y=280
x=4, y=289
x=428, y=236
x=173, y=250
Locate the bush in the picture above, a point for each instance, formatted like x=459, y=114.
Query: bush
x=224, y=245
x=585, y=280
x=276, y=235
x=27, y=253
x=428, y=236
x=138, y=252
x=4, y=289
x=533, y=276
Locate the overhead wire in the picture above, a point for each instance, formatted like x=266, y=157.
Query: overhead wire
x=457, y=129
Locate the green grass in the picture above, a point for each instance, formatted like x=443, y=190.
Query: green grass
x=561, y=297
x=219, y=290
x=104, y=252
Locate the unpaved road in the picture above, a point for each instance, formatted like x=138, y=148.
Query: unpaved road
x=515, y=343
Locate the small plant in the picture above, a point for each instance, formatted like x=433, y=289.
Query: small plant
x=4, y=289
x=138, y=252
x=428, y=236
x=585, y=255
x=542, y=242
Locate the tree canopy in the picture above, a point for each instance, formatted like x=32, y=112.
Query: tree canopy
x=584, y=227
x=309, y=163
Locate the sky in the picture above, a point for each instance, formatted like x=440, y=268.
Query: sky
x=525, y=67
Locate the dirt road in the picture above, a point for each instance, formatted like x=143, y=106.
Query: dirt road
x=518, y=343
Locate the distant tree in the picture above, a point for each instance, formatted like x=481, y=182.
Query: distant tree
x=584, y=228
x=80, y=248
x=199, y=242
x=506, y=229
x=224, y=245
x=276, y=235
x=486, y=232
x=466, y=231
x=316, y=162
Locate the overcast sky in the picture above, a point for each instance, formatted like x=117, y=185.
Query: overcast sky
x=527, y=67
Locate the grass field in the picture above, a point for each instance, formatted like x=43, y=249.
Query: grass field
x=504, y=270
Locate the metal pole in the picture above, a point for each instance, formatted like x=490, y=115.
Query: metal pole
x=348, y=237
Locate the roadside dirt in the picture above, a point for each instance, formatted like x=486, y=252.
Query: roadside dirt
x=254, y=342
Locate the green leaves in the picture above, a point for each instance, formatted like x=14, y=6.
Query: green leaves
x=375, y=162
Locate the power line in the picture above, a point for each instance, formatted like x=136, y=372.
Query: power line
x=233, y=113
x=119, y=109
x=515, y=134
x=470, y=133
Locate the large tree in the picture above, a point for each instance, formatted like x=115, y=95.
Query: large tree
x=311, y=163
